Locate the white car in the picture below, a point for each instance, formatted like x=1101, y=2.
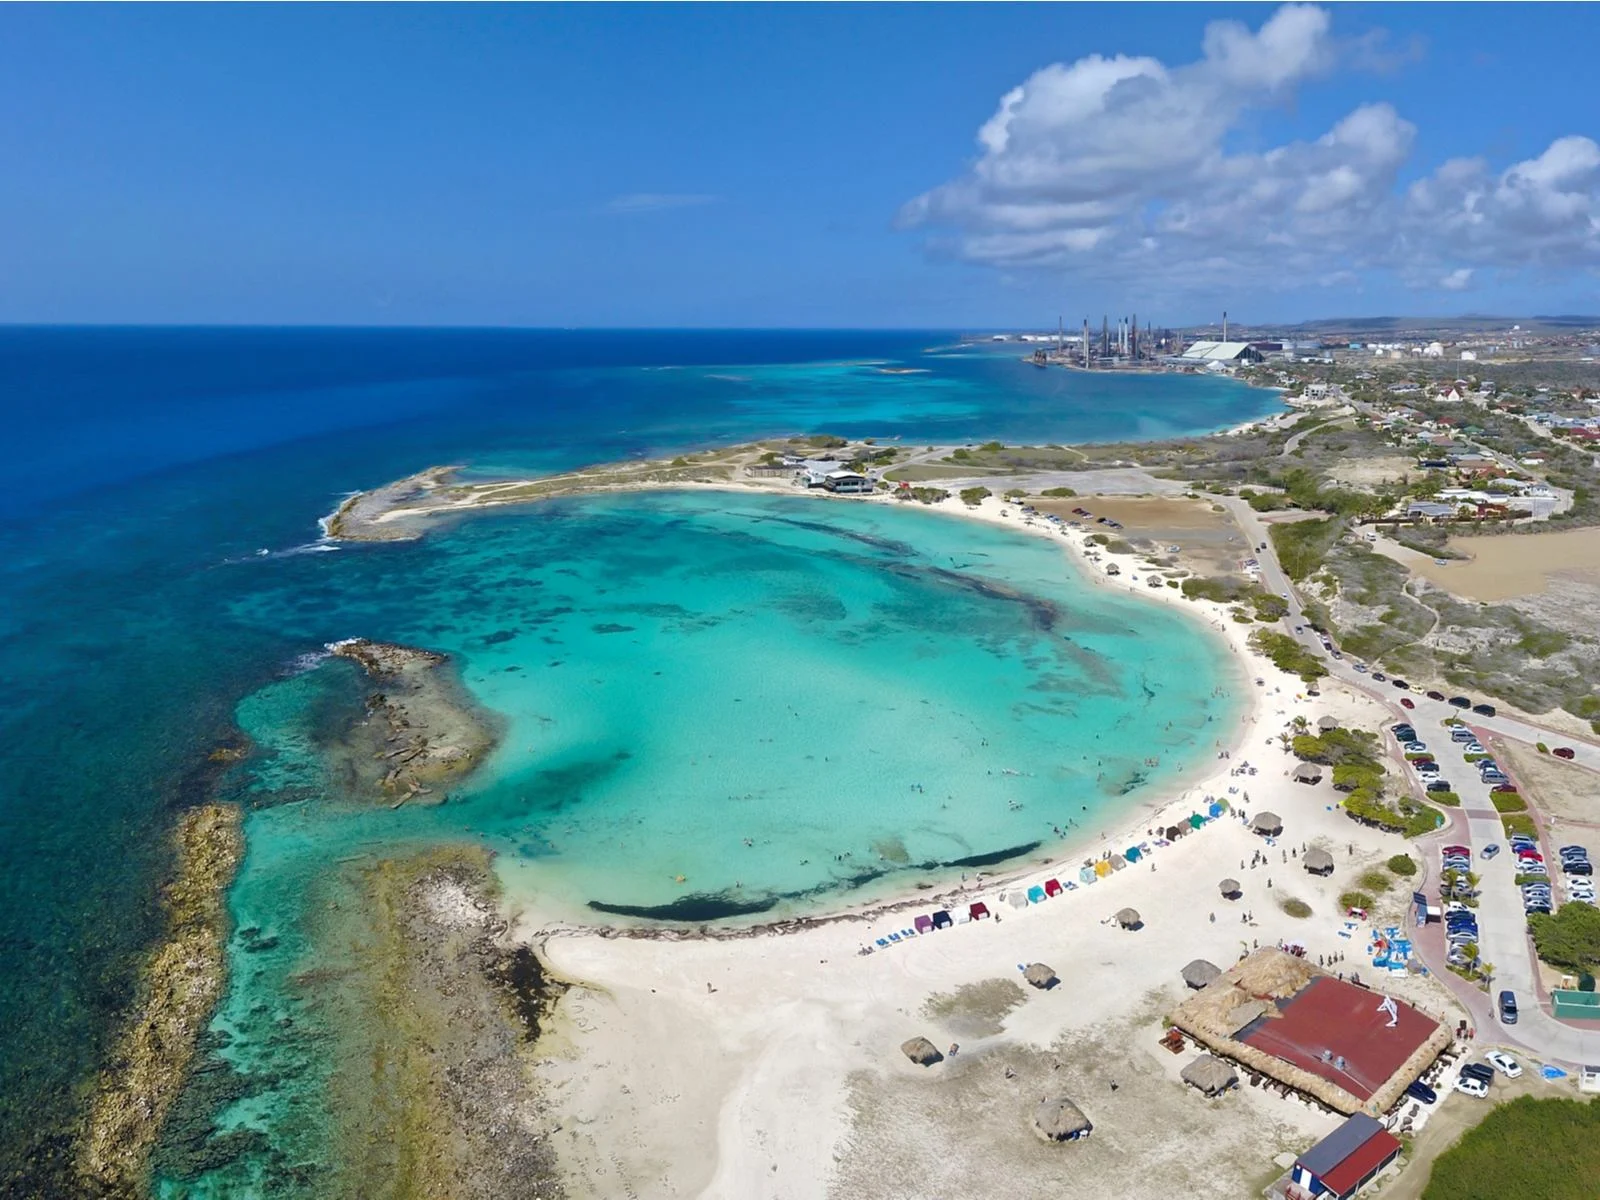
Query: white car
x=1468, y=1086
x=1503, y=1063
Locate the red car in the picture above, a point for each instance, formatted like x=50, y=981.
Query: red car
x=1563, y=752
x=1404, y=703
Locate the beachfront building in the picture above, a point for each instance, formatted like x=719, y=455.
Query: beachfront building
x=834, y=478
x=1344, y=1162
x=1219, y=354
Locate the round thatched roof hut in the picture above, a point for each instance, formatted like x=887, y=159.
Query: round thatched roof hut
x=1040, y=976
x=1324, y=724
x=921, y=1051
x=1308, y=772
x=1128, y=918
x=1060, y=1120
x=1318, y=862
x=1200, y=972
x=1230, y=889
x=1268, y=823
x=1210, y=1074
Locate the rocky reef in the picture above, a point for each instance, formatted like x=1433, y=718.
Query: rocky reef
x=180, y=988
x=420, y=729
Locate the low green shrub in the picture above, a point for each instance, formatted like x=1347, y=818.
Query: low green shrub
x=1295, y=908
x=1355, y=900
x=1508, y=802
x=1402, y=864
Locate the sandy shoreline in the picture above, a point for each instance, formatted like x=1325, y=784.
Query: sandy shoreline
x=752, y=1064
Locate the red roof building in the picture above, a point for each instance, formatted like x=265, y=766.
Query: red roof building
x=1344, y=1162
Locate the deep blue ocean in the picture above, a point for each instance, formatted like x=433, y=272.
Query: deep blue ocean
x=151, y=466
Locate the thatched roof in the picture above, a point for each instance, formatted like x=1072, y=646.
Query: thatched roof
x=1128, y=918
x=921, y=1051
x=1229, y=887
x=1307, y=773
x=1318, y=861
x=1267, y=822
x=1059, y=1119
x=1210, y=1074
x=1327, y=723
x=1200, y=972
x=1040, y=975
x=1249, y=991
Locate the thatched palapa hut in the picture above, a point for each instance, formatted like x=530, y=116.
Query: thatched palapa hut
x=1268, y=824
x=1318, y=862
x=1210, y=1074
x=1230, y=889
x=1040, y=976
x=1325, y=724
x=1060, y=1120
x=1308, y=772
x=1128, y=918
x=921, y=1051
x=1200, y=972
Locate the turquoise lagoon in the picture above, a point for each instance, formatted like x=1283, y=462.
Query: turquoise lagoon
x=775, y=699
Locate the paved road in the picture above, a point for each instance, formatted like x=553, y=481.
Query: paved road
x=1502, y=926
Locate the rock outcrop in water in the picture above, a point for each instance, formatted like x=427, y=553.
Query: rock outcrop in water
x=420, y=731
x=180, y=988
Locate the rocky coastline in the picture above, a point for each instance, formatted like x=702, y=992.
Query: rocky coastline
x=421, y=729
x=181, y=985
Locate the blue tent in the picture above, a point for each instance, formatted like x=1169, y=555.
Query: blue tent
x=1215, y=810
x=1036, y=894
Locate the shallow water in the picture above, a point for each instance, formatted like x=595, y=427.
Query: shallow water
x=140, y=625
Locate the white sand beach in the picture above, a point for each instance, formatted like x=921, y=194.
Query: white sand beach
x=770, y=1065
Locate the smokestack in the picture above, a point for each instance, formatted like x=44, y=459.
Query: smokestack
x=1135, y=337
x=1224, y=324
x=1105, y=334
x=1086, y=342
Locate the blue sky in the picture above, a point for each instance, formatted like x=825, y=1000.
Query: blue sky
x=817, y=166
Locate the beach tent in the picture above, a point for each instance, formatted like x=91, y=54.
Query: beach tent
x=1087, y=875
x=1131, y=854
x=1196, y=820
x=1052, y=887
x=1318, y=862
x=1174, y=833
x=1216, y=809
x=1118, y=863
x=1017, y=898
x=979, y=911
x=1040, y=976
x=1200, y=972
x=1036, y=894
x=1229, y=888
x=941, y=920
x=1269, y=824
x=924, y=924
x=1102, y=868
x=1128, y=918
x=1060, y=1120
x=963, y=917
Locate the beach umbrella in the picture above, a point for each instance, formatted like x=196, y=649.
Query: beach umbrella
x=1200, y=972
x=1060, y=1120
x=1040, y=976
x=1268, y=823
x=1318, y=862
x=1229, y=888
x=1128, y=918
x=1210, y=1074
x=921, y=1051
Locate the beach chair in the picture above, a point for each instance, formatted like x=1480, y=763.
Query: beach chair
x=882, y=942
x=894, y=937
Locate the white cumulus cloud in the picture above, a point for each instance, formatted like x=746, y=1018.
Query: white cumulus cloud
x=1123, y=167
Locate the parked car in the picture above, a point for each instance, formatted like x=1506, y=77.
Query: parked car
x=1563, y=752
x=1379, y=677
x=1473, y=748
x=1416, y=747
x=1508, y=1008
x=1479, y=1071
x=1485, y=710
x=1468, y=1086
x=1438, y=785
x=1504, y=1063
x=1418, y=1090
x=1490, y=850
x=1460, y=702
x=1461, y=733
x=1578, y=867
x=1435, y=695
x=1580, y=851
x=1401, y=684
x=1406, y=703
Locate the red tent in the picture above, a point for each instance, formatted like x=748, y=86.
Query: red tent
x=979, y=911
x=1052, y=887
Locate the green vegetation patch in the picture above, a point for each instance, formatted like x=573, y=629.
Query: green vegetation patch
x=1374, y=881
x=1355, y=900
x=1288, y=655
x=1295, y=908
x=1403, y=865
x=1568, y=938
x=973, y=496
x=1508, y=802
x=1059, y=493
x=1302, y=545
x=1515, y=823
